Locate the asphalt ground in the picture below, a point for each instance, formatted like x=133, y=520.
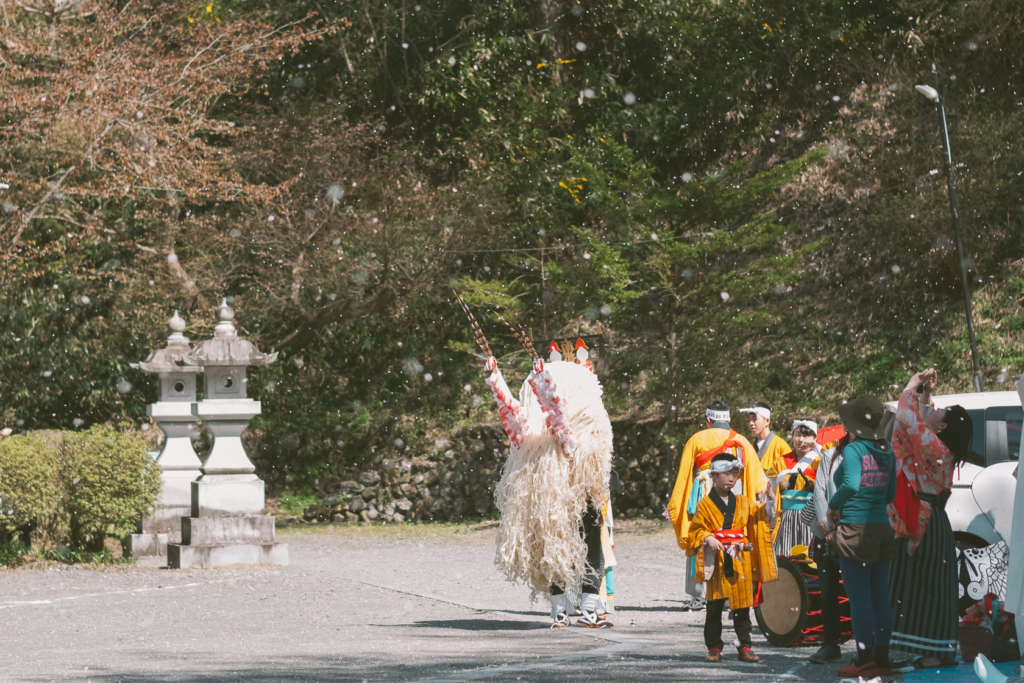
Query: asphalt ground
x=407, y=603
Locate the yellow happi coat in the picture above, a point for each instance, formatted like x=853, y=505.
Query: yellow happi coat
x=753, y=482
x=772, y=461
x=738, y=588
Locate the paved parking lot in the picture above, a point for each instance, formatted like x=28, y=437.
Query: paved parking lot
x=361, y=604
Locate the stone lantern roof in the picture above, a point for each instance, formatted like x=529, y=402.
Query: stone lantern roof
x=165, y=359
x=226, y=347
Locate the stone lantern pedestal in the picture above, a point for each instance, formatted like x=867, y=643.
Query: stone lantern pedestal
x=226, y=524
x=179, y=464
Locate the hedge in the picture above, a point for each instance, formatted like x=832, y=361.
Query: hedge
x=85, y=485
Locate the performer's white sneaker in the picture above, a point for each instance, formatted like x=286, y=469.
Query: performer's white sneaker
x=591, y=618
x=559, y=611
x=696, y=605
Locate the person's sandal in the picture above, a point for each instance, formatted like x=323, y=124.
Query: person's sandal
x=747, y=655
x=714, y=655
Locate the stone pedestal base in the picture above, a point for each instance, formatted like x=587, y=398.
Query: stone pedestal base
x=210, y=556
x=226, y=526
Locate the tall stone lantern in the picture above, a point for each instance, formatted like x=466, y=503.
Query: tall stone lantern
x=226, y=524
x=179, y=464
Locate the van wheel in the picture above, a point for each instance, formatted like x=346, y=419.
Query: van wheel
x=966, y=541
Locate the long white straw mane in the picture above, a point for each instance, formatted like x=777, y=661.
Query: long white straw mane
x=542, y=496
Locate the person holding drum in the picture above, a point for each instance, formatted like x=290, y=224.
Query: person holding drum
x=929, y=443
x=724, y=533
x=864, y=540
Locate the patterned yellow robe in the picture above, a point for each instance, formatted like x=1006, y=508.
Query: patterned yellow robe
x=739, y=588
x=754, y=482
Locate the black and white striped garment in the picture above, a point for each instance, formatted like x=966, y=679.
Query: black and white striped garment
x=792, y=532
x=924, y=590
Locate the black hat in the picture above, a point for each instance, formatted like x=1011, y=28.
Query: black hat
x=863, y=416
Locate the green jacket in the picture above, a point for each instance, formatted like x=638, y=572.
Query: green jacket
x=865, y=484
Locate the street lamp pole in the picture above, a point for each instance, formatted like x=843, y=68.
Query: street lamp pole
x=933, y=94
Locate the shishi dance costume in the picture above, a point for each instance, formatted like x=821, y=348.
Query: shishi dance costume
x=555, y=479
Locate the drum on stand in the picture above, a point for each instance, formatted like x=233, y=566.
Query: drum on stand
x=790, y=609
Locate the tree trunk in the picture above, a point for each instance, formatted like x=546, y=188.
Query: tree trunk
x=549, y=12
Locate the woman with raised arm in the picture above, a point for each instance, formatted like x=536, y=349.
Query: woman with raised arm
x=928, y=443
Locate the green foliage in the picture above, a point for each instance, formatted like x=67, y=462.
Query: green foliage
x=109, y=482
x=295, y=503
x=738, y=195
x=28, y=483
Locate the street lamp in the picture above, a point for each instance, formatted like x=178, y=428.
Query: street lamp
x=933, y=95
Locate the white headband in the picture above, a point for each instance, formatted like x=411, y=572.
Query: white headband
x=720, y=466
x=758, y=410
x=810, y=424
x=718, y=415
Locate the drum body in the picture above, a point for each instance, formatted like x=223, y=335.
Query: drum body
x=789, y=612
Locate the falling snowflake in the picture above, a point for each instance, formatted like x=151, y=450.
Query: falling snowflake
x=629, y=98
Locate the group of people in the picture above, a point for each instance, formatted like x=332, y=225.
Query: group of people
x=869, y=511
x=867, y=508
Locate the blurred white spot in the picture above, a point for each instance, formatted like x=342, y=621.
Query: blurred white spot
x=451, y=61
x=124, y=387
x=835, y=98
x=467, y=388
x=86, y=300
x=428, y=377
x=629, y=98
x=724, y=295
x=47, y=373
x=588, y=93
x=687, y=177
x=172, y=258
x=581, y=46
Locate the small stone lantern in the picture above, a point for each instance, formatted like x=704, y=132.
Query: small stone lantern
x=226, y=524
x=178, y=461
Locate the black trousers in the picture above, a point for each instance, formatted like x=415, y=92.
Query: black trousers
x=713, y=625
x=595, y=556
x=828, y=581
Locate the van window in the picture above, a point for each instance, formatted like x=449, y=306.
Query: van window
x=1002, y=434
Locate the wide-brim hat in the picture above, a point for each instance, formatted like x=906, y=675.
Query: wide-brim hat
x=864, y=416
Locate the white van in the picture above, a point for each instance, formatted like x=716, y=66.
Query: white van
x=980, y=507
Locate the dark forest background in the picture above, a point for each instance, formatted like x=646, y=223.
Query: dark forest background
x=738, y=199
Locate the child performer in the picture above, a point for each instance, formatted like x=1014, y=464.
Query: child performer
x=722, y=533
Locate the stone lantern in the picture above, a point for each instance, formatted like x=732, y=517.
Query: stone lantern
x=226, y=524
x=179, y=464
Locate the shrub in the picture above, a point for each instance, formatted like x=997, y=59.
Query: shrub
x=109, y=481
x=28, y=484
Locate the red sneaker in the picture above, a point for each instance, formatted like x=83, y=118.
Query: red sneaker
x=714, y=655
x=747, y=655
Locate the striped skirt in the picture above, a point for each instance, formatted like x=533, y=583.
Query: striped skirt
x=791, y=532
x=924, y=589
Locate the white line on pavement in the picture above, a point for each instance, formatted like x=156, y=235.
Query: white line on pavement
x=29, y=603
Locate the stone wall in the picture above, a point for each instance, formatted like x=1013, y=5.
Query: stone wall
x=454, y=478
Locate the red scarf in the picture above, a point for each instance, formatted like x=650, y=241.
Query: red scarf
x=705, y=457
